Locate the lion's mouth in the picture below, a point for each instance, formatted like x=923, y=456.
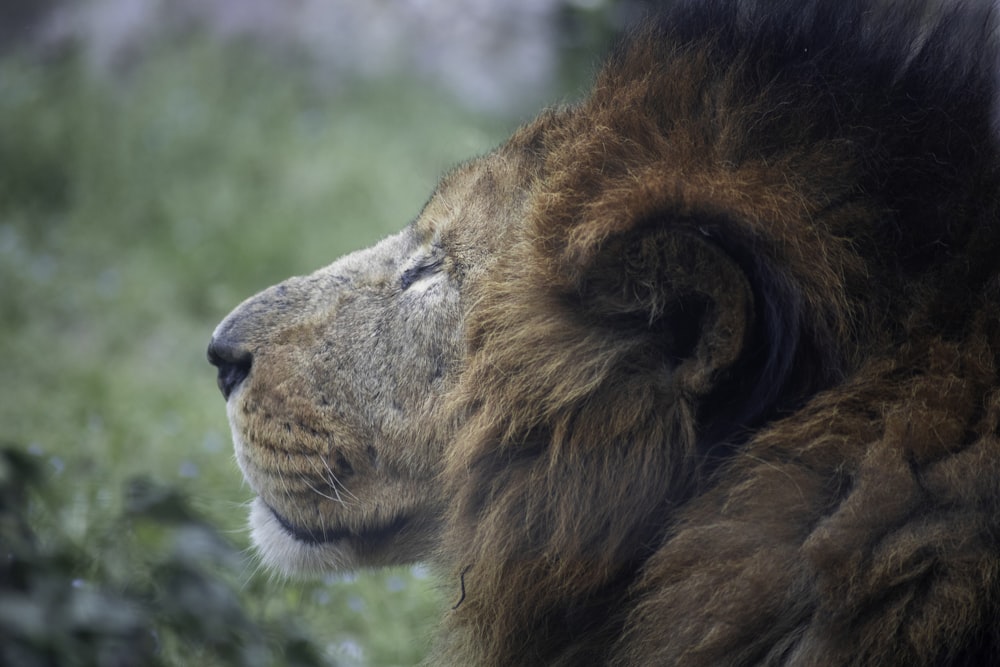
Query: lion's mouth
x=328, y=535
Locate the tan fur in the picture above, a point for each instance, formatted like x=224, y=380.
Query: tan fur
x=704, y=370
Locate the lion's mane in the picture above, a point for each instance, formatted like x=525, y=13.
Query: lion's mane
x=732, y=398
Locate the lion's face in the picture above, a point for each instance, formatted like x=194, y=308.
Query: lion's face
x=333, y=382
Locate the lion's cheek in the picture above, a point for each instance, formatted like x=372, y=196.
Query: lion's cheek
x=237, y=426
x=246, y=435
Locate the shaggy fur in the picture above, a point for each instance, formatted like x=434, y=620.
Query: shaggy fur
x=732, y=396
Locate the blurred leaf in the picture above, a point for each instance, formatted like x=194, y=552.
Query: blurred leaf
x=147, y=498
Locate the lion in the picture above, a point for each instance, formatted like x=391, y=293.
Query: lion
x=700, y=370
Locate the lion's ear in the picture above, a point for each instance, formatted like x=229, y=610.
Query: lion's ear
x=693, y=299
x=721, y=321
x=737, y=332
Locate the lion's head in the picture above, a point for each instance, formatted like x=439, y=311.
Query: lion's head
x=334, y=380
x=637, y=376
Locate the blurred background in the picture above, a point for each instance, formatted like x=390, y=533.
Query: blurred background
x=160, y=161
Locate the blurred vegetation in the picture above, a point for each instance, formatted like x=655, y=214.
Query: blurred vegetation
x=164, y=595
x=134, y=214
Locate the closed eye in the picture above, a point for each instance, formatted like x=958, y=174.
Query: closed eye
x=415, y=273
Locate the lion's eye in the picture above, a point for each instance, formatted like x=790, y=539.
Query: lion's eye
x=415, y=273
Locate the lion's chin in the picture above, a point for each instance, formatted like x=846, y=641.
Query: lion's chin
x=291, y=551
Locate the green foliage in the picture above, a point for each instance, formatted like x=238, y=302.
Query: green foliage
x=161, y=593
x=134, y=213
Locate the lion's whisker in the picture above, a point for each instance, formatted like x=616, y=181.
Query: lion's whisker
x=334, y=481
x=336, y=497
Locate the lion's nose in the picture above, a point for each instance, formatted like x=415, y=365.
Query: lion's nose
x=233, y=362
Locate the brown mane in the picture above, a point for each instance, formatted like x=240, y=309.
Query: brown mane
x=732, y=395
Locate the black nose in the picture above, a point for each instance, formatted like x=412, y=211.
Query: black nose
x=233, y=362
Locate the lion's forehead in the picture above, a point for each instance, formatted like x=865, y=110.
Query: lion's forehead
x=476, y=203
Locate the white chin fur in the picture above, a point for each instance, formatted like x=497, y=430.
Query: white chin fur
x=291, y=557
